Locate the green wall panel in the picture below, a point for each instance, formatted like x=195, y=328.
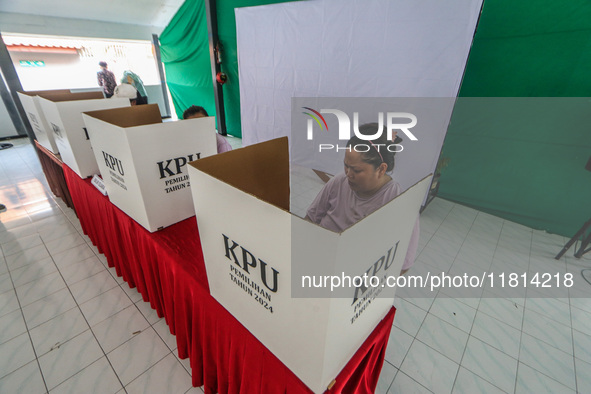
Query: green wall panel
x=185, y=53
x=522, y=159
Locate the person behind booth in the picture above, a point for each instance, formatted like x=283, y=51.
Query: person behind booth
x=364, y=187
x=106, y=79
x=194, y=112
x=134, y=80
x=125, y=90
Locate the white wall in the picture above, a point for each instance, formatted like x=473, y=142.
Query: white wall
x=51, y=76
x=6, y=127
x=33, y=24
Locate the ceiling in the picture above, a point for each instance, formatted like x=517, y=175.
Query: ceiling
x=135, y=12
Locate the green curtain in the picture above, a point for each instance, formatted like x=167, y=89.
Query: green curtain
x=185, y=54
x=507, y=158
x=184, y=49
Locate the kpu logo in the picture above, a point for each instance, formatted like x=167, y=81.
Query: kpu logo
x=249, y=261
x=113, y=163
x=56, y=130
x=177, y=168
x=394, y=121
x=33, y=118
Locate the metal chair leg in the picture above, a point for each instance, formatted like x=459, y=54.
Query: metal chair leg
x=585, y=240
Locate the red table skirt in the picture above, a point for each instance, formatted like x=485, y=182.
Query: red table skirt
x=52, y=167
x=167, y=268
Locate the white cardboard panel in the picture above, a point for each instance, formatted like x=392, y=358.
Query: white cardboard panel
x=264, y=230
x=38, y=123
x=128, y=159
x=65, y=120
x=314, y=337
x=369, y=240
x=119, y=177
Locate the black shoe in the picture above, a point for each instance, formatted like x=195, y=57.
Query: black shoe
x=2, y=207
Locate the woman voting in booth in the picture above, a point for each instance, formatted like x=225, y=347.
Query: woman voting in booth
x=364, y=187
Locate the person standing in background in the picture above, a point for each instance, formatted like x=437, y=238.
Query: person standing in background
x=106, y=79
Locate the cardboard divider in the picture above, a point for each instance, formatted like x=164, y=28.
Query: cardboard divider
x=258, y=256
x=63, y=114
x=58, y=95
x=262, y=171
x=143, y=161
x=30, y=103
x=138, y=115
x=45, y=93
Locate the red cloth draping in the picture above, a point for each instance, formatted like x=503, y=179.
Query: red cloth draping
x=52, y=167
x=167, y=268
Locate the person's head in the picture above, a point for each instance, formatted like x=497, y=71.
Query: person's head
x=194, y=111
x=103, y=64
x=368, y=162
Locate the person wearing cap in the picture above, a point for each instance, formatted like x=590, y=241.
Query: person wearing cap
x=106, y=79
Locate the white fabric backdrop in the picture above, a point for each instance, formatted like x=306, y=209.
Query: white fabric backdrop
x=352, y=48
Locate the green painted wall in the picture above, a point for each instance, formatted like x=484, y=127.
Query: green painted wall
x=507, y=157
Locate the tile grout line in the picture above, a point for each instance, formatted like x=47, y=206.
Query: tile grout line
x=28, y=332
x=422, y=322
x=572, y=333
x=92, y=332
x=140, y=375
x=151, y=325
x=108, y=269
x=523, y=320
x=477, y=307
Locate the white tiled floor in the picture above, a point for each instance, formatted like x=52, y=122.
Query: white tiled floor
x=69, y=325
x=532, y=343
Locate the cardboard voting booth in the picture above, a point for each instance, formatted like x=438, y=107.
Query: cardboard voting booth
x=143, y=161
x=257, y=255
x=63, y=113
x=30, y=102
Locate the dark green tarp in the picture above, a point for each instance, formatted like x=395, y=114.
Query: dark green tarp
x=508, y=162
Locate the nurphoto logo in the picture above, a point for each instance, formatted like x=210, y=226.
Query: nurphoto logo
x=395, y=121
